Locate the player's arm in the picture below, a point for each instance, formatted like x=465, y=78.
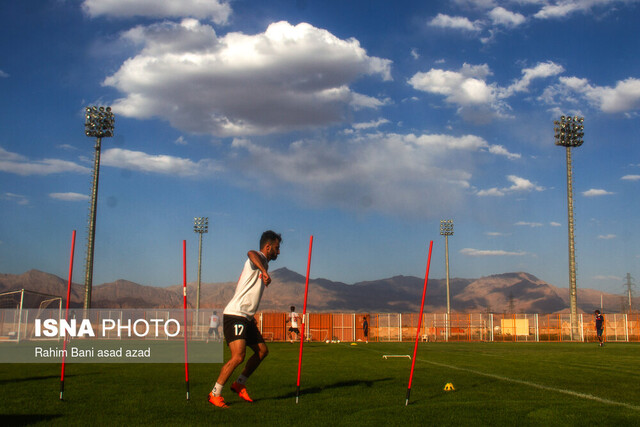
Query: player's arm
x=258, y=261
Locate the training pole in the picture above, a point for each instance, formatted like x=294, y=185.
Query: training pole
x=415, y=347
x=66, y=313
x=304, y=313
x=184, y=293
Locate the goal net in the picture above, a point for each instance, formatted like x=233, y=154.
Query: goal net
x=19, y=309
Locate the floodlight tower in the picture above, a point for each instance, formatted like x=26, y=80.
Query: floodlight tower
x=200, y=226
x=569, y=133
x=98, y=124
x=629, y=286
x=446, y=229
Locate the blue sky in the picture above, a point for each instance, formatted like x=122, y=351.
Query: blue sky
x=363, y=123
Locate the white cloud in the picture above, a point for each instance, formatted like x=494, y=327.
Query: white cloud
x=500, y=150
x=371, y=124
x=607, y=236
x=491, y=192
x=631, y=177
x=180, y=141
x=21, y=165
x=501, y=16
x=360, y=101
x=519, y=185
x=485, y=252
x=161, y=164
x=624, y=97
x=555, y=224
x=595, y=192
x=541, y=70
x=216, y=10
x=522, y=184
x=287, y=78
x=477, y=101
x=3, y=75
x=495, y=234
x=429, y=176
x=528, y=224
x=414, y=53
x=16, y=198
x=563, y=8
x=69, y=197
x=455, y=22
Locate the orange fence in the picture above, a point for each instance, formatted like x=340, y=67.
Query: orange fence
x=386, y=327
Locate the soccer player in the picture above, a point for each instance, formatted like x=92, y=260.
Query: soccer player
x=214, y=322
x=239, y=325
x=599, y=327
x=293, y=329
x=365, y=328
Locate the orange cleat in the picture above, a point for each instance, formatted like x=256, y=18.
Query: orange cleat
x=217, y=401
x=241, y=390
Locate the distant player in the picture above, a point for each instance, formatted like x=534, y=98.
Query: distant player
x=238, y=322
x=599, y=327
x=365, y=328
x=214, y=323
x=293, y=329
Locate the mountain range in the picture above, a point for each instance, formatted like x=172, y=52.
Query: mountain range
x=502, y=293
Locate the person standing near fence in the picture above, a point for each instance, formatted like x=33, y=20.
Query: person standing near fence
x=239, y=325
x=293, y=329
x=365, y=329
x=599, y=327
x=214, y=321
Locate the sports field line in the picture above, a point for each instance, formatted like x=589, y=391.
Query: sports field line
x=535, y=385
x=531, y=384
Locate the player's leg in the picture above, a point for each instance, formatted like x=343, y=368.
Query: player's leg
x=260, y=351
x=235, y=334
x=238, y=351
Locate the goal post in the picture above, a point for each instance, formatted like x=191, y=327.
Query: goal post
x=18, y=306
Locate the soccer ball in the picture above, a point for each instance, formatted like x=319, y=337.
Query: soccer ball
x=327, y=341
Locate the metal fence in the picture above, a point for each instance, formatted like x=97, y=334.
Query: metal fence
x=383, y=327
x=462, y=327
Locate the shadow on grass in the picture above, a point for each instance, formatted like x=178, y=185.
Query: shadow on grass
x=339, y=384
x=45, y=377
x=41, y=377
x=26, y=419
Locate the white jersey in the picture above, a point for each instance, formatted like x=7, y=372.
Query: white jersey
x=213, y=321
x=294, y=319
x=249, y=291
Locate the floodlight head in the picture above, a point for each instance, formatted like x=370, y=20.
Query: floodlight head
x=201, y=225
x=98, y=122
x=446, y=227
x=568, y=131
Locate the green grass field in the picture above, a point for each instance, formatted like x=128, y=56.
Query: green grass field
x=495, y=384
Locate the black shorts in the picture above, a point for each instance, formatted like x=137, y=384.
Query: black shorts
x=241, y=328
x=294, y=330
x=599, y=332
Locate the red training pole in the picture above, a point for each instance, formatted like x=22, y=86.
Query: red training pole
x=184, y=292
x=66, y=314
x=304, y=312
x=415, y=347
